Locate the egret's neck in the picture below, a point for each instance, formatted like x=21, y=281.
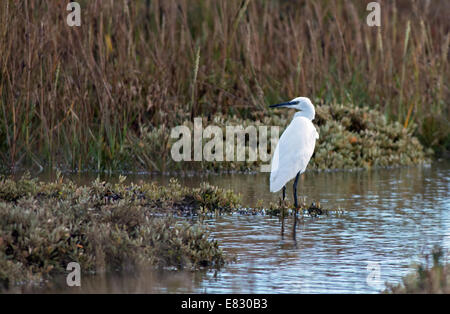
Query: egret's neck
x=308, y=113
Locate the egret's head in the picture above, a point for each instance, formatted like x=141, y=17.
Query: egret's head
x=302, y=104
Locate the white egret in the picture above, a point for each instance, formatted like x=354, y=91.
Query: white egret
x=295, y=147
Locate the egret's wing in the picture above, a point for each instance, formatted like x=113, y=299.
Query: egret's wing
x=293, y=152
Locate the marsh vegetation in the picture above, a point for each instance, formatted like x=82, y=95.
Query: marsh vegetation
x=104, y=96
x=432, y=275
x=104, y=227
x=87, y=97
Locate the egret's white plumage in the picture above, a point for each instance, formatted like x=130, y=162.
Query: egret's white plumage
x=296, y=145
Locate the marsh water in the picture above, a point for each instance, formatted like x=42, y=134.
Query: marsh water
x=390, y=219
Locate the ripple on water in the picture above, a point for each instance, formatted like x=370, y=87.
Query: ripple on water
x=391, y=217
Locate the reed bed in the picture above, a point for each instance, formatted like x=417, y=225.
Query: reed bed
x=76, y=97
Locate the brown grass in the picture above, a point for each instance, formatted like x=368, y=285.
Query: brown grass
x=74, y=96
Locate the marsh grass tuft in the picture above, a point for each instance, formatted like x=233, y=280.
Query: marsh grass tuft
x=349, y=138
x=426, y=278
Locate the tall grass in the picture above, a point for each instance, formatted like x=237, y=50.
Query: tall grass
x=73, y=96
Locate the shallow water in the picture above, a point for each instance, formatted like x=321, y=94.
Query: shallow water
x=391, y=218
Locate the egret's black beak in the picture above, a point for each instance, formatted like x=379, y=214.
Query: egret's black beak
x=285, y=104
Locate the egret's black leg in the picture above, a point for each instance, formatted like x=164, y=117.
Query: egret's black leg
x=295, y=190
x=296, y=206
x=284, y=192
